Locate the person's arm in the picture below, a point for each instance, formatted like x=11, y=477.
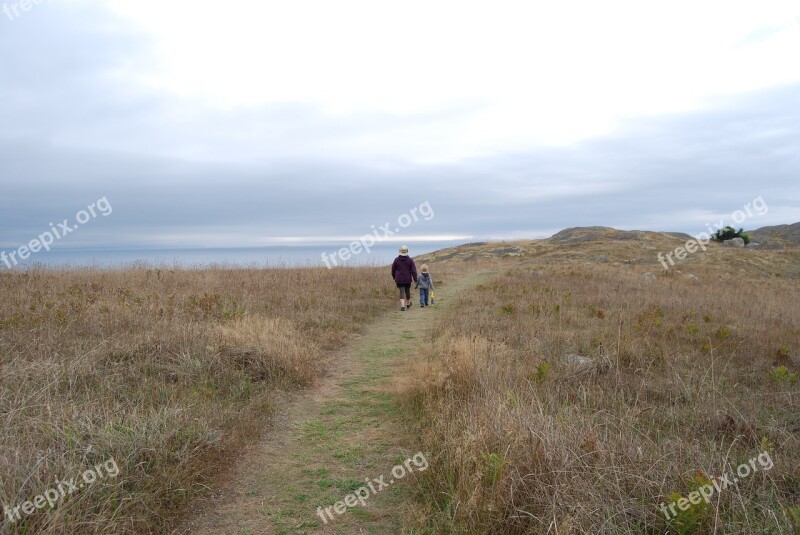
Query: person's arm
x=394, y=268
x=413, y=270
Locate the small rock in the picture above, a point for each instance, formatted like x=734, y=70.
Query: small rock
x=734, y=242
x=649, y=276
x=581, y=367
x=577, y=360
x=753, y=245
x=693, y=278
x=601, y=258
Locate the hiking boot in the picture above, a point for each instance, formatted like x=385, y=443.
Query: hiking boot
x=402, y=309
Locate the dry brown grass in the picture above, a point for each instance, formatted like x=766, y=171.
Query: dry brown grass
x=167, y=372
x=526, y=439
x=639, y=248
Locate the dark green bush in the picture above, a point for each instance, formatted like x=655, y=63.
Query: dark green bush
x=728, y=233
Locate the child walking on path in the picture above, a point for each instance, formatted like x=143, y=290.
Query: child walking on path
x=425, y=285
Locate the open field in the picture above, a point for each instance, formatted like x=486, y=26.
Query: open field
x=167, y=373
x=574, y=396
x=568, y=385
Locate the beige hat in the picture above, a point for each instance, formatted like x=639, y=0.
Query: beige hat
x=404, y=250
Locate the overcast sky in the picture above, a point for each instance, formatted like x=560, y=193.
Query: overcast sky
x=259, y=122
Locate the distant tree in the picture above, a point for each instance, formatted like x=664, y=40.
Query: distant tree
x=729, y=233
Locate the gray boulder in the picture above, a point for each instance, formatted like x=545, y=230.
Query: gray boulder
x=734, y=242
x=579, y=366
x=577, y=360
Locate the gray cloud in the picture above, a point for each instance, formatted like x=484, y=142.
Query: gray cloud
x=73, y=130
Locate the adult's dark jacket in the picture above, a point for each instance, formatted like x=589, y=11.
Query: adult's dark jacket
x=404, y=271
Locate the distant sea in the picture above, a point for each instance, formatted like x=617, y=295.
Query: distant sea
x=271, y=256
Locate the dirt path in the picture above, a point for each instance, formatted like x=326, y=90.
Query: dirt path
x=328, y=440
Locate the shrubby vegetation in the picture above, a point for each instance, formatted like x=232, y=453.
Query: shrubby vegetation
x=728, y=233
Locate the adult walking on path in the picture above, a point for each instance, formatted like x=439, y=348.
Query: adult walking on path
x=404, y=272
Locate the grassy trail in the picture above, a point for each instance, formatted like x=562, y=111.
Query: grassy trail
x=328, y=439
